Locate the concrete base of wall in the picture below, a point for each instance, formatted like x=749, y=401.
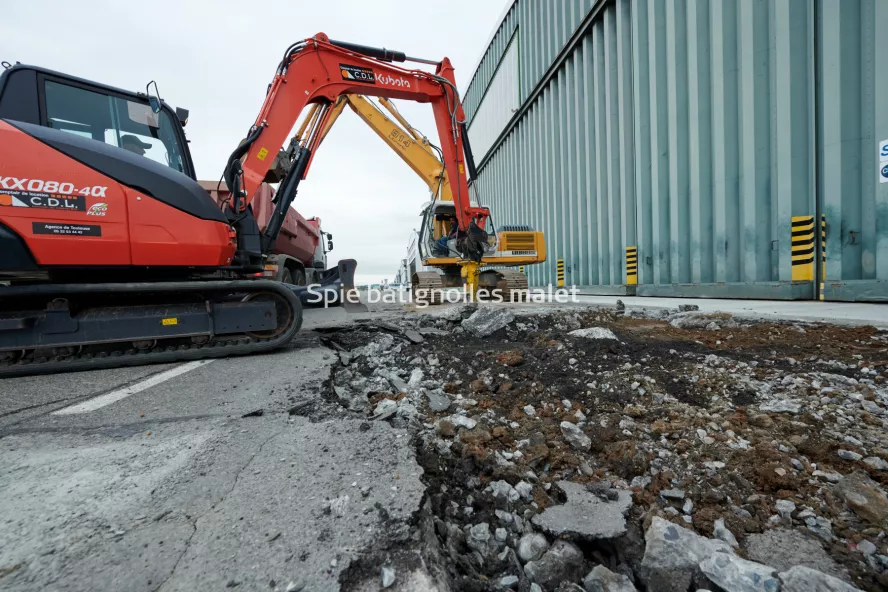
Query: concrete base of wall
x=857, y=291
x=606, y=290
x=848, y=291
x=742, y=290
x=844, y=313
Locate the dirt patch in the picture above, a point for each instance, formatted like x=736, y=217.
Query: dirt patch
x=737, y=417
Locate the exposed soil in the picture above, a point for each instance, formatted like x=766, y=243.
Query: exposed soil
x=664, y=407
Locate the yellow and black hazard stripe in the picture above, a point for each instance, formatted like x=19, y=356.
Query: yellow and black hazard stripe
x=822, y=254
x=631, y=266
x=560, y=273
x=803, y=248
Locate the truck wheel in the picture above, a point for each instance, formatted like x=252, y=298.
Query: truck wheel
x=299, y=277
x=286, y=277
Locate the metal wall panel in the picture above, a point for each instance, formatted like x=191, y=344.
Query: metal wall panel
x=853, y=119
x=499, y=104
x=698, y=131
x=489, y=63
x=547, y=26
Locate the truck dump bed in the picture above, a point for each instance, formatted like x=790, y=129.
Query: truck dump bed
x=299, y=236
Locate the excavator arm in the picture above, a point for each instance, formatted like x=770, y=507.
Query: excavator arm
x=414, y=149
x=515, y=245
x=315, y=72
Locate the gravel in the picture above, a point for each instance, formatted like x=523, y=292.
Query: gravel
x=388, y=577
x=532, y=546
x=575, y=436
x=594, y=333
x=563, y=561
x=715, y=428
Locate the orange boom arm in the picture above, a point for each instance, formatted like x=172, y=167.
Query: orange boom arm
x=316, y=71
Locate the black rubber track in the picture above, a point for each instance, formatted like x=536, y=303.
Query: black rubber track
x=224, y=349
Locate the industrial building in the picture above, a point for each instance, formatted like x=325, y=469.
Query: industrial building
x=709, y=148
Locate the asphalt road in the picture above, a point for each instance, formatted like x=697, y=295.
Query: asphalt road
x=151, y=479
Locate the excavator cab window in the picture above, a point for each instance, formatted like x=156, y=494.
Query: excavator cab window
x=114, y=120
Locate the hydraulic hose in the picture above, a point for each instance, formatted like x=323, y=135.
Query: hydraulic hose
x=233, y=169
x=287, y=193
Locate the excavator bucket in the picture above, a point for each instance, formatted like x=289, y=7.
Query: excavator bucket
x=333, y=288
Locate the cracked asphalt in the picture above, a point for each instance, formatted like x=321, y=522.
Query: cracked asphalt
x=206, y=481
x=172, y=488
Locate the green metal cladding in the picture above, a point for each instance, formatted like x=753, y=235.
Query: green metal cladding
x=693, y=133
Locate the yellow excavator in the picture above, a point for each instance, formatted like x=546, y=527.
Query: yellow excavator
x=509, y=246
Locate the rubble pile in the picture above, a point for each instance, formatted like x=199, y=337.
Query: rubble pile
x=666, y=451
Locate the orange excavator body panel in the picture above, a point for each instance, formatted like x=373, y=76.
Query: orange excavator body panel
x=72, y=215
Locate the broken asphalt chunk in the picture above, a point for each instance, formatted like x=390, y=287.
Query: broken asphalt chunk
x=300, y=408
x=672, y=555
x=486, y=321
x=585, y=514
x=739, y=575
x=864, y=497
x=385, y=409
x=562, y=562
x=388, y=577
x=601, y=579
x=575, y=436
x=594, y=333
x=413, y=336
x=438, y=401
x=805, y=579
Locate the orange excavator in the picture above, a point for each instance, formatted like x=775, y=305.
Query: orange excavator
x=113, y=254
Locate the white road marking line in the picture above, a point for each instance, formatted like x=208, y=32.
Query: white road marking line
x=119, y=394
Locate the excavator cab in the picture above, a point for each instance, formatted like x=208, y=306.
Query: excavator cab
x=111, y=253
x=437, y=226
x=87, y=109
x=97, y=179
x=441, y=229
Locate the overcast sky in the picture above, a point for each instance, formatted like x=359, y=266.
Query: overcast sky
x=217, y=58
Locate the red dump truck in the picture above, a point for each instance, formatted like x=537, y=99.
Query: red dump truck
x=300, y=253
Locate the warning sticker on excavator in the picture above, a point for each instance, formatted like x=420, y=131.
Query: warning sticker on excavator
x=263, y=152
x=357, y=74
x=169, y=321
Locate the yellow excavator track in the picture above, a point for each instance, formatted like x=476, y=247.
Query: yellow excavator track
x=511, y=285
x=427, y=287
